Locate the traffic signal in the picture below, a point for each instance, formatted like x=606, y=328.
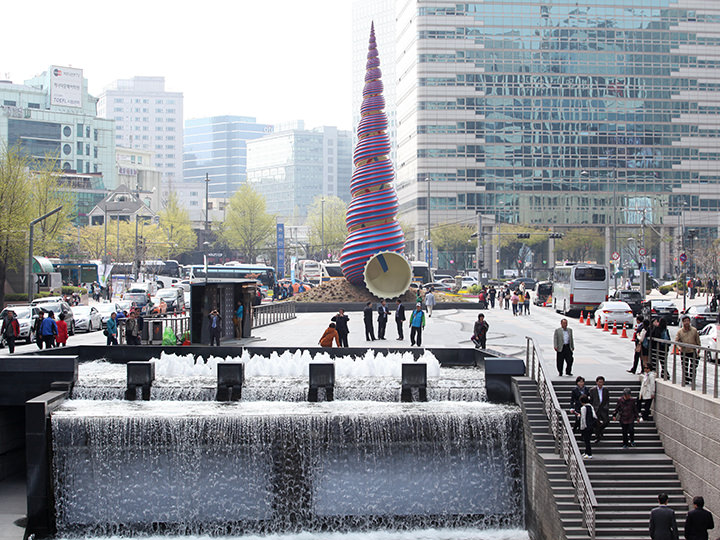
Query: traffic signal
x=523, y=235
x=555, y=235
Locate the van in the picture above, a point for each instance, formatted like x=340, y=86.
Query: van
x=147, y=287
x=174, y=297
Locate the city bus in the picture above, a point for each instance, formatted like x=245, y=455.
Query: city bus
x=579, y=287
x=309, y=271
x=421, y=272
x=260, y=272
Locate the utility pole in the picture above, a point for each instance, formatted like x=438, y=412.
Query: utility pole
x=322, y=228
x=643, y=271
x=136, y=260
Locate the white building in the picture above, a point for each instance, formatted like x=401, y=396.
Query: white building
x=149, y=118
x=135, y=170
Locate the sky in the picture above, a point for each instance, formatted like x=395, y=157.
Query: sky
x=275, y=60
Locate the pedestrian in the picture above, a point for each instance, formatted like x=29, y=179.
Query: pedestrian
x=647, y=392
x=588, y=420
x=491, y=296
x=341, y=326
x=367, y=318
x=636, y=349
x=238, y=319
x=62, y=331
x=658, y=351
x=698, y=521
x=329, y=335
x=600, y=400
x=663, y=524
x=482, y=299
x=215, y=327
x=111, y=330
x=417, y=323
x=626, y=413
x=48, y=330
x=399, y=318
x=382, y=319
x=644, y=342
x=430, y=301
x=526, y=302
x=564, y=347
x=480, y=331
x=579, y=391
x=514, y=300
x=131, y=326
x=36, y=328
x=689, y=359
x=11, y=330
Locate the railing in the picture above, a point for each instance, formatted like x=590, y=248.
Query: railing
x=273, y=313
x=565, y=443
x=179, y=324
x=689, y=365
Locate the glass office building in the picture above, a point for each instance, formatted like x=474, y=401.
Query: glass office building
x=559, y=114
x=217, y=146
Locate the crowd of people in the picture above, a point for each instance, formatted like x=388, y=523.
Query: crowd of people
x=517, y=299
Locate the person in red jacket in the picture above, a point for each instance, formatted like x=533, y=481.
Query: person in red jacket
x=62, y=335
x=11, y=330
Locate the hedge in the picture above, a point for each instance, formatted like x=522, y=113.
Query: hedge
x=69, y=289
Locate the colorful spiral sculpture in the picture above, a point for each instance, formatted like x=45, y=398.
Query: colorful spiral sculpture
x=371, y=216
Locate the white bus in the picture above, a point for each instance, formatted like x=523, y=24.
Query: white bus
x=579, y=287
x=309, y=271
x=330, y=271
x=421, y=272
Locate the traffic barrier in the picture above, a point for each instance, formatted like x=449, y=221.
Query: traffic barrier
x=624, y=332
x=587, y=321
x=614, y=330
x=606, y=328
x=582, y=318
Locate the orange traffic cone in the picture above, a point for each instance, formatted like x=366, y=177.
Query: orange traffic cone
x=587, y=321
x=624, y=332
x=614, y=330
x=598, y=325
x=582, y=319
x=605, y=327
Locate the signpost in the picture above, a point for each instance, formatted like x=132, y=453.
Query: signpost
x=280, y=240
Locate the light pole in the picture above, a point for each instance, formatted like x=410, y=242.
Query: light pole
x=428, y=243
x=30, y=248
x=322, y=228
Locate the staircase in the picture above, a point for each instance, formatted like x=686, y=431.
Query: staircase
x=626, y=481
x=557, y=472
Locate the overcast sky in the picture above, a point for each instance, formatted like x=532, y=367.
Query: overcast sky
x=276, y=60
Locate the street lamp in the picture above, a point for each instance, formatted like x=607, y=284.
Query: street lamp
x=30, y=248
x=322, y=228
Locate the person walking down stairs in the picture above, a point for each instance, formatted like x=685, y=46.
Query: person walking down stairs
x=626, y=412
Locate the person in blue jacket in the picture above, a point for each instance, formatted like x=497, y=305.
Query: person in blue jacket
x=417, y=323
x=112, y=330
x=48, y=330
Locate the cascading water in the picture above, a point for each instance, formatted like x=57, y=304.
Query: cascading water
x=187, y=467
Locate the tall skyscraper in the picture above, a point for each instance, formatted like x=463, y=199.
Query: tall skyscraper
x=293, y=166
x=147, y=117
x=585, y=114
x=216, y=146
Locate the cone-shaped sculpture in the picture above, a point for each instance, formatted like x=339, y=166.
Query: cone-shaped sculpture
x=373, y=250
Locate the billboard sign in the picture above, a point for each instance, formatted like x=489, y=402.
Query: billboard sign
x=66, y=85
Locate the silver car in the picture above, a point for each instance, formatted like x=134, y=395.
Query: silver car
x=87, y=318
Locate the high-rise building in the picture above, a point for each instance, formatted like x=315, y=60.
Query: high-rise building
x=216, y=146
x=149, y=118
x=583, y=114
x=293, y=166
x=52, y=116
x=381, y=14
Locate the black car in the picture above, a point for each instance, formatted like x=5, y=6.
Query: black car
x=661, y=309
x=528, y=281
x=701, y=316
x=632, y=298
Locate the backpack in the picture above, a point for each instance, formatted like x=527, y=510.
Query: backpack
x=589, y=417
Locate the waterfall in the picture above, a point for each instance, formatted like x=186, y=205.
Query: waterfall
x=270, y=467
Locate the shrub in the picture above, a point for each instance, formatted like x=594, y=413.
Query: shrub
x=474, y=289
x=69, y=289
x=14, y=298
x=664, y=289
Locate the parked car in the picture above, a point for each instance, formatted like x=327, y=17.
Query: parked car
x=137, y=299
x=468, y=281
x=615, y=312
x=87, y=318
x=701, y=316
x=105, y=310
x=438, y=286
x=26, y=316
x=543, y=291
x=174, y=297
x=47, y=300
x=60, y=307
x=661, y=309
x=709, y=336
x=528, y=281
x=158, y=306
x=633, y=298
x=125, y=305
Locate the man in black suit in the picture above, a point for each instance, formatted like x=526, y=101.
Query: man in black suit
x=341, y=325
x=367, y=317
x=663, y=525
x=600, y=401
x=699, y=521
x=399, y=318
x=382, y=319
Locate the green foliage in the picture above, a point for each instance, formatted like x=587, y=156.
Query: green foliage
x=475, y=289
x=70, y=289
x=580, y=244
x=176, y=224
x=248, y=227
x=453, y=237
x=335, y=228
x=51, y=234
x=664, y=289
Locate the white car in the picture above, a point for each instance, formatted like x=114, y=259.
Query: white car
x=615, y=312
x=87, y=318
x=709, y=336
x=26, y=316
x=106, y=309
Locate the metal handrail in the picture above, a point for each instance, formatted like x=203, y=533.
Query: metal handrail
x=565, y=443
x=689, y=371
x=275, y=312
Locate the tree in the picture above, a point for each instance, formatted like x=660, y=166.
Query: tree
x=51, y=234
x=248, y=227
x=580, y=244
x=14, y=210
x=335, y=228
x=175, y=222
x=455, y=242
